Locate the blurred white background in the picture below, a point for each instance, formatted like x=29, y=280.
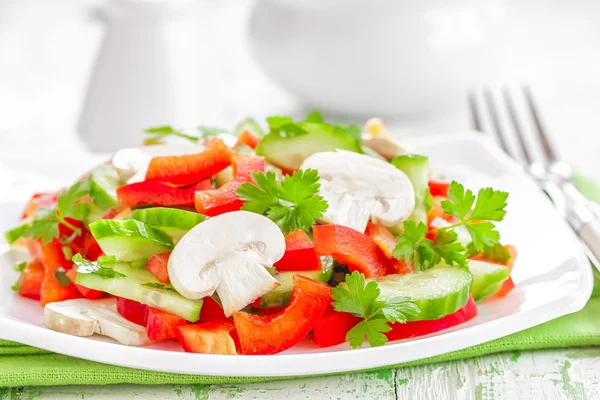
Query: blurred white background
x=48, y=50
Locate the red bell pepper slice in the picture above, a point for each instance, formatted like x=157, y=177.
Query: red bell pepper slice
x=158, y=266
x=219, y=201
x=31, y=280
x=352, y=248
x=385, y=240
x=439, y=188
x=272, y=334
x=54, y=259
x=425, y=327
x=508, y=284
x=192, y=168
x=157, y=194
x=211, y=310
x=132, y=311
x=46, y=200
x=213, y=337
x=248, y=139
x=85, y=292
x=162, y=325
x=332, y=328
x=300, y=253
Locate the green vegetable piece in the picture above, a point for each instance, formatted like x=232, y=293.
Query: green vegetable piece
x=251, y=125
x=487, y=278
x=15, y=233
x=416, y=167
x=104, y=181
x=172, y=221
x=129, y=239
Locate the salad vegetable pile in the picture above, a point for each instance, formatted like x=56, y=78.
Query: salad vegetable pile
x=246, y=241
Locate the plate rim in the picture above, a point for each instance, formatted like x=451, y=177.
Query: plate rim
x=318, y=363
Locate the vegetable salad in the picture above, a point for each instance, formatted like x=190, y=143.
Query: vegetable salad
x=246, y=241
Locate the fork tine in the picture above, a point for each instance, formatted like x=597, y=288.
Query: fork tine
x=491, y=105
x=512, y=113
x=541, y=132
x=475, y=121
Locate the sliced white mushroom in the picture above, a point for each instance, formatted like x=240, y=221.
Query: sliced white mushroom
x=84, y=317
x=132, y=163
x=359, y=188
x=227, y=254
x=378, y=138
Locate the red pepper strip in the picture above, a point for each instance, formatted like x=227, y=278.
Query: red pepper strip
x=425, y=327
x=132, y=311
x=352, y=248
x=158, y=266
x=332, y=328
x=219, y=201
x=439, y=188
x=31, y=281
x=110, y=213
x=156, y=194
x=211, y=310
x=189, y=169
x=85, y=292
x=54, y=259
x=385, y=240
x=272, y=334
x=300, y=253
x=213, y=337
x=248, y=139
x=162, y=325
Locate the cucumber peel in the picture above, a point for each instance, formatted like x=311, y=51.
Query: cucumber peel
x=487, y=278
x=172, y=221
x=129, y=239
x=131, y=286
x=416, y=167
x=437, y=292
x=281, y=295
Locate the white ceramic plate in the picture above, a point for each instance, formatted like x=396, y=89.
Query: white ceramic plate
x=552, y=278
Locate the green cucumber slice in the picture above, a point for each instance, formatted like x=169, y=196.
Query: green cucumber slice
x=129, y=239
x=172, y=221
x=416, y=167
x=131, y=286
x=16, y=232
x=281, y=295
x=487, y=278
x=290, y=151
x=249, y=124
x=437, y=291
x=104, y=181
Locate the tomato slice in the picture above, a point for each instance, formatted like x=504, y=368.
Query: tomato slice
x=211, y=310
x=248, y=139
x=54, y=260
x=158, y=265
x=31, y=280
x=352, y=248
x=385, y=240
x=439, y=188
x=192, y=168
x=425, y=327
x=132, y=311
x=219, y=201
x=85, y=292
x=300, y=253
x=213, y=337
x=270, y=334
x=162, y=325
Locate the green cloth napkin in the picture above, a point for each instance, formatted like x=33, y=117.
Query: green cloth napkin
x=27, y=366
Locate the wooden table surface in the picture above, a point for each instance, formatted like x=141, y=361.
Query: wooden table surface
x=47, y=51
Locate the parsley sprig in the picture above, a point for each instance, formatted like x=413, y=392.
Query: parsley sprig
x=292, y=203
x=474, y=213
x=286, y=126
x=160, y=132
x=360, y=299
x=102, y=267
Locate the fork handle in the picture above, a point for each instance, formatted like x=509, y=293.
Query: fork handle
x=586, y=224
x=590, y=234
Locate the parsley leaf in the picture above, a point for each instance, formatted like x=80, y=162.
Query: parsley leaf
x=96, y=267
x=292, y=203
x=160, y=132
x=496, y=253
x=314, y=116
x=359, y=298
x=68, y=202
x=19, y=267
x=160, y=286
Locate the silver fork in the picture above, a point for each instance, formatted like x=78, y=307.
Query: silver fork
x=550, y=173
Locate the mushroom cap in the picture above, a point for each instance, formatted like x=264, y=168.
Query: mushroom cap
x=227, y=254
x=358, y=188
